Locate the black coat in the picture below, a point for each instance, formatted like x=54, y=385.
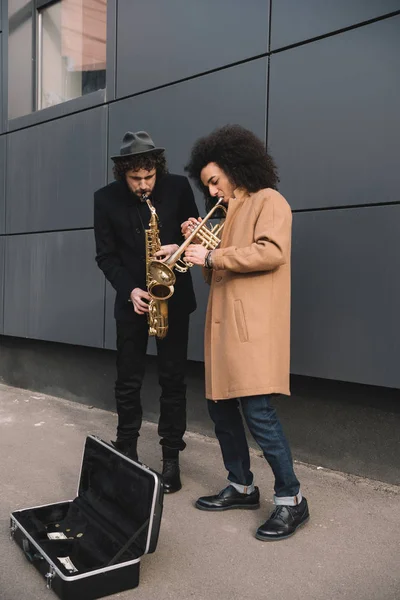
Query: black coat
x=120, y=219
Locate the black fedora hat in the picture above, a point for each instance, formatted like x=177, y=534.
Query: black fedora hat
x=136, y=143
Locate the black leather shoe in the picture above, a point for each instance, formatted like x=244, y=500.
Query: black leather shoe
x=283, y=522
x=229, y=498
x=127, y=447
x=171, y=475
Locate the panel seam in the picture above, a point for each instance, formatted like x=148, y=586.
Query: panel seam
x=48, y=231
x=268, y=75
x=345, y=207
x=324, y=36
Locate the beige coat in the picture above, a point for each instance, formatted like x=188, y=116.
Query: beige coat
x=247, y=332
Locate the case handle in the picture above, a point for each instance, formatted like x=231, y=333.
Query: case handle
x=31, y=556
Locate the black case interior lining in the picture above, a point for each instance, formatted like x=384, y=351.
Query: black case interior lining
x=114, y=503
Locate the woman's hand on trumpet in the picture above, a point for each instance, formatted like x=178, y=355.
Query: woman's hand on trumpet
x=188, y=226
x=196, y=254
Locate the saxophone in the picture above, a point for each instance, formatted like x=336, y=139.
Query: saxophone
x=157, y=317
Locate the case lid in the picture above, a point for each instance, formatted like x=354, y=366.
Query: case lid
x=122, y=492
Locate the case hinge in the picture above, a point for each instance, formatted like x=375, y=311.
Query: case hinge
x=49, y=577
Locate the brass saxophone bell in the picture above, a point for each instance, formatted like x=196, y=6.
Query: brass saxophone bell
x=161, y=273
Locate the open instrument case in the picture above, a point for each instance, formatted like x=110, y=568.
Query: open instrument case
x=91, y=546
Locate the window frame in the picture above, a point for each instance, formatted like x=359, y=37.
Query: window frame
x=40, y=4
x=74, y=105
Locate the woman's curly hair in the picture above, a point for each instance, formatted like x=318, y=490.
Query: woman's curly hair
x=239, y=153
x=149, y=161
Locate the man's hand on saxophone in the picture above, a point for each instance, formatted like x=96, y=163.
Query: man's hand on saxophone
x=140, y=300
x=165, y=251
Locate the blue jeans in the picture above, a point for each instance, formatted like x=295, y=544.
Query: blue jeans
x=265, y=428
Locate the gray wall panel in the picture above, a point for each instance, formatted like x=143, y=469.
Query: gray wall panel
x=333, y=123
x=2, y=245
x=3, y=79
x=54, y=290
x=176, y=116
x=160, y=42
x=346, y=295
x=53, y=170
x=2, y=183
x=293, y=21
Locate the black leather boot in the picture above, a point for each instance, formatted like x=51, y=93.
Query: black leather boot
x=171, y=471
x=127, y=447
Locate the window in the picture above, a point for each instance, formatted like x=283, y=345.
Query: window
x=20, y=46
x=57, y=51
x=71, y=50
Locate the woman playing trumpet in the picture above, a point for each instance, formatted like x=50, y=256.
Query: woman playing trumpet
x=248, y=321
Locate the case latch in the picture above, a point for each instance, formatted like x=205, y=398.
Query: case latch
x=49, y=577
x=13, y=529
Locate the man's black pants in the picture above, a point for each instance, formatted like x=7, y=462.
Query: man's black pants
x=132, y=338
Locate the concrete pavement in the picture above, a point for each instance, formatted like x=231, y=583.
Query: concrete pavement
x=349, y=550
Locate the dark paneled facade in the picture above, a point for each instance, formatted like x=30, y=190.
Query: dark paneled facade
x=53, y=291
x=2, y=80
x=159, y=42
x=346, y=293
x=333, y=118
x=178, y=114
x=2, y=184
x=294, y=21
x=2, y=241
x=330, y=111
x=52, y=170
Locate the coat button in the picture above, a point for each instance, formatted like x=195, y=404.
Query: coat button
x=137, y=230
x=219, y=278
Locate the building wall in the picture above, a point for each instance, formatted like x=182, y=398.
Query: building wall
x=319, y=82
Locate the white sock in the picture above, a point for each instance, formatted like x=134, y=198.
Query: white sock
x=288, y=500
x=243, y=489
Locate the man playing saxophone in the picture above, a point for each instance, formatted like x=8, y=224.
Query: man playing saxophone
x=133, y=216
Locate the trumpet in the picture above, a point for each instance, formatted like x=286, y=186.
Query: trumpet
x=162, y=273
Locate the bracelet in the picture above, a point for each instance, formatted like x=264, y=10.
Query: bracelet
x=208, y=260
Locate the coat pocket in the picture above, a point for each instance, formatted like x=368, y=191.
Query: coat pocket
x=240, y=321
